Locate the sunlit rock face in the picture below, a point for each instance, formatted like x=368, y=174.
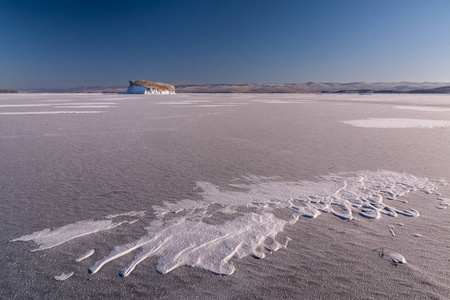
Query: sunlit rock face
x=149, y=87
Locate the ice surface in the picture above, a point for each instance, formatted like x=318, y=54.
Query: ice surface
x=73, y=104
x=58, y=169
x=211, y=105
x=398, y=123
x=49, y=112
x=84, y=106
x=24, y=105
x=424, y=108
x=181, y=234
x=275, y=101
x=68, y=106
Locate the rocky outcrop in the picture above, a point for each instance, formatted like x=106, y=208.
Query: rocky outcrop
x=8, y=92
x=149, y=87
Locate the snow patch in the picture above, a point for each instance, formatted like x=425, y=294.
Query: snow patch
x=49, y=112
x=85, y=255
x=398, y=123
x=424, y=108
x=243, y=221
x=63, y=276
x=397, y=258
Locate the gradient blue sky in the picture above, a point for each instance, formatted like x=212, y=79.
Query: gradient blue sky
x=76, y=43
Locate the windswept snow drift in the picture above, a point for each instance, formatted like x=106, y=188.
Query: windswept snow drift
x=398, y=123
x=227, y=224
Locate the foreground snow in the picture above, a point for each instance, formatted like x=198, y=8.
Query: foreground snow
x=245, y=223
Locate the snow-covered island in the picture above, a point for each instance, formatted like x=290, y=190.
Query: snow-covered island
x=149, y=87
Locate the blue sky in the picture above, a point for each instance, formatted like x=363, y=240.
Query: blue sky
x=77, y=43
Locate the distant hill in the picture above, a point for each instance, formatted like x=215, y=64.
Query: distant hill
x=439, y=90
x=311, y=87
x=8, y=92
x=308, y=87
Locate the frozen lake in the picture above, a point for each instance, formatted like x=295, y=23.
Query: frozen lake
x=225, y=196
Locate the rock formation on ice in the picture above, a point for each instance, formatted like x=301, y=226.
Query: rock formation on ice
x=149, y=87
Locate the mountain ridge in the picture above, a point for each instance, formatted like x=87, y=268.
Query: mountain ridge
x=308, y=87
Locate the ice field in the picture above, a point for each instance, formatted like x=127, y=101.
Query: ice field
x=226, y=196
